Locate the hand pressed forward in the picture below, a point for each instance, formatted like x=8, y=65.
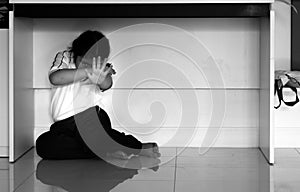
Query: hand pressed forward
x=99, y=71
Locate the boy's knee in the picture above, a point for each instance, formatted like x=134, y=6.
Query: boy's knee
x=42, y=146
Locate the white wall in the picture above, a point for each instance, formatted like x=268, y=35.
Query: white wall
x=232, y=42
x=282, y=36
x=4, y=92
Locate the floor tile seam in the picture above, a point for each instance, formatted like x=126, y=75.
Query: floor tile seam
x=24, y=181
x=175, y=171
x=297, y=150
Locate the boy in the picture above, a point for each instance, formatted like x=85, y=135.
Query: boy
x=74, y=83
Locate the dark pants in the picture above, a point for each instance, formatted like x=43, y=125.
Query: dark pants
x=63, y=141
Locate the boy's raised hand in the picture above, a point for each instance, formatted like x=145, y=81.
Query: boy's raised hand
x=99, y=71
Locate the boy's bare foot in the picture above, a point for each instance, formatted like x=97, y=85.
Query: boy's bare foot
x=154, y=146
x=150, y=150
x=119, y=155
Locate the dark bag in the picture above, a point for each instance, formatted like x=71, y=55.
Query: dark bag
x=292, y=84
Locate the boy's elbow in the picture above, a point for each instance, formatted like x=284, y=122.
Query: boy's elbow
x=54, y=80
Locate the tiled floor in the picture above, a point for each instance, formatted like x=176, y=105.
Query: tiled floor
x=218, y=170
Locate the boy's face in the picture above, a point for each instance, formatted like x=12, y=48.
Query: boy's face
x=85, y=61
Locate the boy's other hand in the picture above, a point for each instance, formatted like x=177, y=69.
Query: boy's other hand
x=112, y=70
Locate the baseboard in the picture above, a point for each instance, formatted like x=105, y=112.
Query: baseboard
x=3, y=151
x=287, y=137
x=228, y=137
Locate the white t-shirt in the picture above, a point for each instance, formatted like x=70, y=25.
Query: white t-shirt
x=68, y=100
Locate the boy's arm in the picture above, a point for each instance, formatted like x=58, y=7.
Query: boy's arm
x=67, y=76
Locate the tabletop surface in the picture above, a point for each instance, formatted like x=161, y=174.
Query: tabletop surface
x=140, y=1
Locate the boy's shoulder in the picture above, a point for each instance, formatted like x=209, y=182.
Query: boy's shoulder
x=64, y=56
x=62, y=60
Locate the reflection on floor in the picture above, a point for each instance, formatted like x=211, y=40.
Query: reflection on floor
x=218, y=170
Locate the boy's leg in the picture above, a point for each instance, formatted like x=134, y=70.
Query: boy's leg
x=131, y=144
x=61, y=142
x=129, y=141
x=94, y=126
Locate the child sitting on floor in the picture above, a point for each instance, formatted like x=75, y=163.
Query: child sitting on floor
x=76, y=79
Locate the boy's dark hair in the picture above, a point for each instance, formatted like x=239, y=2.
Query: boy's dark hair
x=82, y=44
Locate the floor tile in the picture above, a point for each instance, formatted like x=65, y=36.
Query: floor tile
x=216, y=152
x=287, y=162
x=4, y=163
x=32, y=184
x=4, y=174
x=281, y=186
x=4, y=180
x=26, y=186
x=168, y=156
x=218, y=158
x=222, y=167
x=298, y=150
x=36, y=157
x=287, y=158
x=41, y=187
x=4, y=185
x=95, y=185
x=208, y=162
x=287, y=175
x=167, y=161
x=162, y=174
x=228, y=170
x=217, y=186
x=216, y=174
x=90, y=169
x=145, y=186
x=20, y=170
x=167, y=151
x=79, y=176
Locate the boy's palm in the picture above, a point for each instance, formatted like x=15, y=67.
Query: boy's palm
x=98, y=73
